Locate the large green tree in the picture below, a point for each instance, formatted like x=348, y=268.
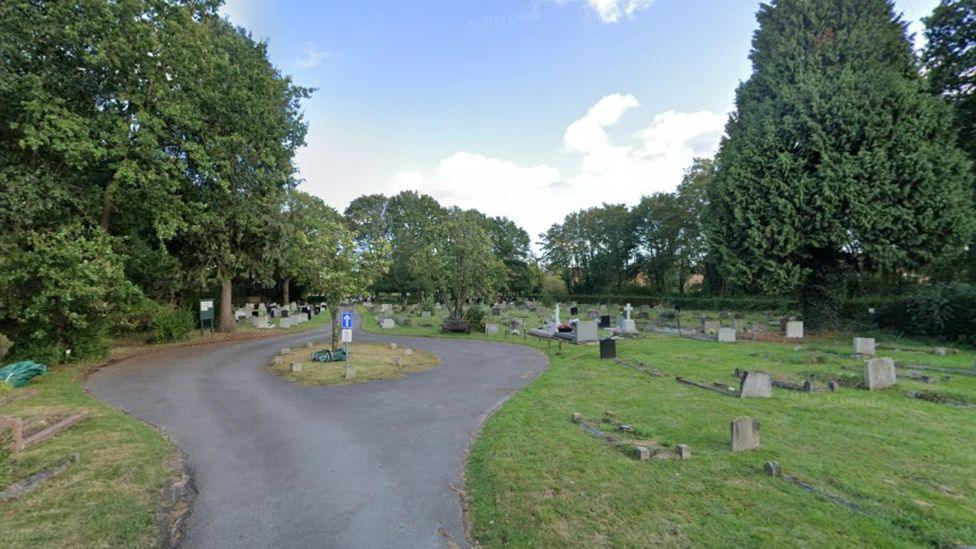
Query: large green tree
x=836, y=157
x=670, y=234
x=460, y=262
x=323, y=257
x=410, y=219
x=249, y=125
x=950, y=63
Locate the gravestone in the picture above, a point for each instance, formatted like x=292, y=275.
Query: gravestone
x=756, y=385
x=711, y=326
x=608, y=348
x=296, y=367
x=592, y=314
x=586, y=331
x=387, y=323
x=605, y=321
x=491, y=329
x=745, y=434
x=726, y=335
x=496, y=311
x=684, y=451
x=425, y=314
x=879, y=373
x=794, y=329
x=864, y=346
x=573, y=311
x=627, y=325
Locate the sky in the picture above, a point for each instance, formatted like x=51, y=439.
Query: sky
x=528, y=109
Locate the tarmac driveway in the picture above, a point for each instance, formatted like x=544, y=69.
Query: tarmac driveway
x=281, y=465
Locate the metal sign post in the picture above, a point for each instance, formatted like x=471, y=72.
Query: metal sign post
x=346, y=340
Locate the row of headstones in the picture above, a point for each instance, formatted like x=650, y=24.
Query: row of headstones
x=287, y=318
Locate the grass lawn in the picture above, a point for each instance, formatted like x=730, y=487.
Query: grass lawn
x=110, y=497
x=372, y=361
x=535, y=478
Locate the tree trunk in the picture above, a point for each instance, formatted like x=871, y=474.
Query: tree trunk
x=334, y=307
x=821, y=294
x=285, y=287
x=106, y=219
x=226, y=308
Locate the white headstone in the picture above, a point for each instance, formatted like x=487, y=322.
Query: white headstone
x=387, y=324
x=555, y=317
x=491, y=329
x=726, y=335
x=879, y=373
x=864, y=346
x=794, y=329
x=627, y=310
x=756, y=385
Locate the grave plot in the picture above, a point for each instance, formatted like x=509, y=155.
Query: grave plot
x=628, y=440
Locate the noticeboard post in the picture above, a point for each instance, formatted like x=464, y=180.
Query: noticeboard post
x=206, y=314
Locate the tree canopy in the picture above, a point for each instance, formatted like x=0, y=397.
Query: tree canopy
x=835, y=158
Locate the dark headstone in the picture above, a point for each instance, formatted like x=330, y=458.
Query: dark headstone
x=608, y=348
x=604, y=321
x=573, y=311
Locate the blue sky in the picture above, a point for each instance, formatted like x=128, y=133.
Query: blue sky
x=525, y=108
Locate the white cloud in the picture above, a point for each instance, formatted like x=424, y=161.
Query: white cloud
x=612, y=11
x=587, y=133
x=650, y=160
x=313, y=56
x=493, y=186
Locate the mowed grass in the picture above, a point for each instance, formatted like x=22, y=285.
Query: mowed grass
x=534, y=478
x=109, y=497
x=372, y=361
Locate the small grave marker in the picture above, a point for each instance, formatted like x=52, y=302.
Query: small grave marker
x=756, y=385
x=864, y=346
x=794, y=329
x=879, y=373
x=745, y=434
x=726, y=335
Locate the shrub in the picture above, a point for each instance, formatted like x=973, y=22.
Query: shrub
x=169, y=324
x=62, y=290
x=475, y=315
x=944, y=311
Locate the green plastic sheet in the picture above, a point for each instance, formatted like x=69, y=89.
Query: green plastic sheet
x=19, y=374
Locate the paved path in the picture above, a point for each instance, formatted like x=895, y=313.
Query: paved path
x=281, y=465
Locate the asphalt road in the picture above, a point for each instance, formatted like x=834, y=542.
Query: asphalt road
x=281, y=465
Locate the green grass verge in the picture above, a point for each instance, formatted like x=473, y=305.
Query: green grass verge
x=109, y=497
x=536, y=479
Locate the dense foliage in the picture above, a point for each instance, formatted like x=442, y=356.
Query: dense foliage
x=950, y=67
x=146, y=146
x=836, y=158
x=947, y=311
x=659, y=242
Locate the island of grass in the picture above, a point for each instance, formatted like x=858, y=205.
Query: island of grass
x=371, y=362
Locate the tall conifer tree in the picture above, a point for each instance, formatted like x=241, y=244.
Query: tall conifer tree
x=837, y=157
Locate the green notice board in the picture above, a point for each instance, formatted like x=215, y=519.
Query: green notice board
x=206, y=314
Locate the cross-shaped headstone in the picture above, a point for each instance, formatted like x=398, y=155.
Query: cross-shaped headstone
x=628, y=310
